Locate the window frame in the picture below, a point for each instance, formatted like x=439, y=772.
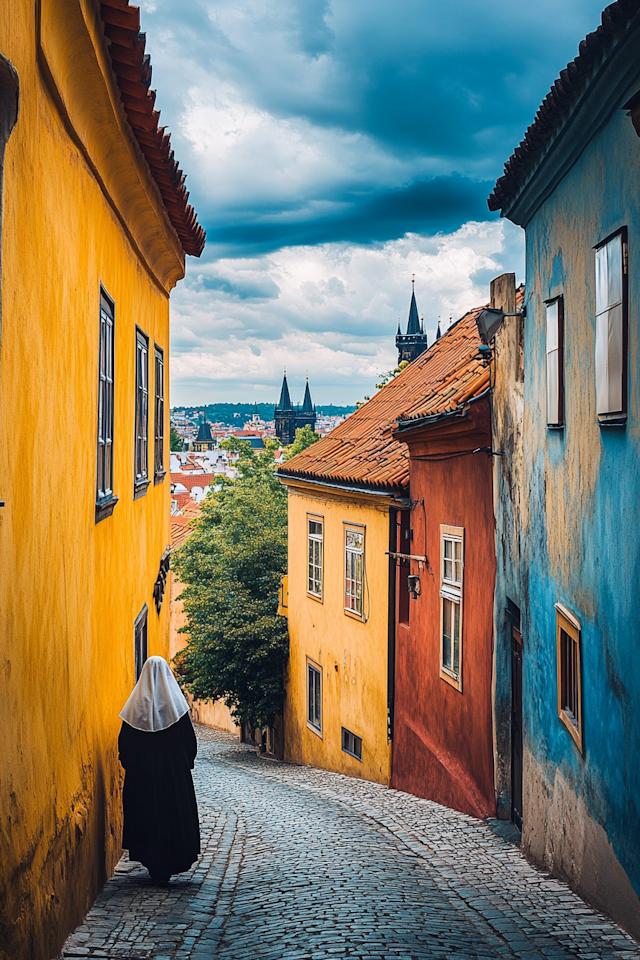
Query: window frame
x=141, y=442
x=610, y=417
x=349, y=611
x=356, y=741
x=569, y=625
x=558, y=423
x=451, y=591
x=315, y=518
x=105, y=497
x=313, y=667
x=141, y=629
x=159, y=472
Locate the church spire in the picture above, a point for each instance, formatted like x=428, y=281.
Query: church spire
x=413, y=325
x=307, y=405
x=285, y=399
x=439, y=331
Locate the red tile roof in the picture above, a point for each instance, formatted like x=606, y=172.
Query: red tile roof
x=361, y=450
x=561, y=100
x=132, y=68
x=191, y=480
x=181, y=528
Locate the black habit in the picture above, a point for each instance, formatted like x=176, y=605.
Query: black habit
x=161, y=828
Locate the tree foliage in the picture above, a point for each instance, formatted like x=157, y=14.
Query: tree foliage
x=232, y=565
x=176, y=443
x=391, y=374
x=305, y=436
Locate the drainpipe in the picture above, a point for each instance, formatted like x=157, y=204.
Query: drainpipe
x=391, y=627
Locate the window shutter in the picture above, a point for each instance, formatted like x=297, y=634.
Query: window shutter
x=555, y=363
x=610, y=359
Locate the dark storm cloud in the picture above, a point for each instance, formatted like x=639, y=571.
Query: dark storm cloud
x=441, y=91
x=424, y=207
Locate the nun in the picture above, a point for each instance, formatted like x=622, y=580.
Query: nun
x=157, y=747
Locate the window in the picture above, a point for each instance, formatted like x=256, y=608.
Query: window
x=352, y=744
x=569, y=685
x=555, y=362
x=314, y=697
x=354, y=570
x=140, y=640
x=142, y=412
x=105, y=501
x=611, y=328
x=314, y=574
x=158, y=419
x=451, y=572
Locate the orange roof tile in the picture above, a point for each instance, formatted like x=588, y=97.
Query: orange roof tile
x=361, y=450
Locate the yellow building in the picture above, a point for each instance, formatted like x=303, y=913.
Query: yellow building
x=95, y=227
x=347, y=494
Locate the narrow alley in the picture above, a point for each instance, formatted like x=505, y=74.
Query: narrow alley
x=301, y=863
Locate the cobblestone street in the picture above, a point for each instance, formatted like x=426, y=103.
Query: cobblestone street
x=300, y=863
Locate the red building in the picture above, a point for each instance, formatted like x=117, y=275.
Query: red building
x=445, y=579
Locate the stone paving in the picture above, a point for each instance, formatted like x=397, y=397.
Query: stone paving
x=300, y=863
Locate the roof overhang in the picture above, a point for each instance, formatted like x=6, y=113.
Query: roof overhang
x=343, y=491
x=467, y=429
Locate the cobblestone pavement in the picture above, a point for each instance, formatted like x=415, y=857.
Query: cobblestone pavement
x=301, y=863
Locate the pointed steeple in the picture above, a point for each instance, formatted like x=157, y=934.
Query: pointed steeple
x=413, y=325
x=285, y=400
x=255, y=409
x=439, y=331
x=307, y=405
x=399, y=333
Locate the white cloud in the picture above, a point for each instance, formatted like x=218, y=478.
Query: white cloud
x=332, y=309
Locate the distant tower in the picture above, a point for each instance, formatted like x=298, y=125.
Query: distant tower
x=289, y=418
x=414, y=342
x=204, y=440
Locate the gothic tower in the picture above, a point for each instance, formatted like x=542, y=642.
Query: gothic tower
x=414, y=342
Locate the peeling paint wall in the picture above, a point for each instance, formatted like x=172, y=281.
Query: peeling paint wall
x=70, y=589
x=580, y=544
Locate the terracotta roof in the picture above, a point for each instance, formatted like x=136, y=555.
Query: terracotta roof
x=132, y=68
x=192, y=480
x=181, y=528
x=361, y=450
x=561, y=100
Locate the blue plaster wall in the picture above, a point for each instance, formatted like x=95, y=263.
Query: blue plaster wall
x=580, y=542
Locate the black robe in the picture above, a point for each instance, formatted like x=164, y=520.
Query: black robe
x=161, y=828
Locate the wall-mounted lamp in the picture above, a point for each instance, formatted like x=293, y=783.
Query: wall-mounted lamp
x=490, y=319
x=414, y=586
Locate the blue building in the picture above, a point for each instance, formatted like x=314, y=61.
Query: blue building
x=572, y=594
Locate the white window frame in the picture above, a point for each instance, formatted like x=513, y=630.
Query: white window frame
x=555, y=361
x=611, y=327
x=313, y=669
x=315, y=557
x=451, y=596
x=354, y=598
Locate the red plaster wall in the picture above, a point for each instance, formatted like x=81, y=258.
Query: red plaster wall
x=443, y=746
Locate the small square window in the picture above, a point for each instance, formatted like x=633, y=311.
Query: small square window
x=314, y=697
x=352, y=744
x=569, y=680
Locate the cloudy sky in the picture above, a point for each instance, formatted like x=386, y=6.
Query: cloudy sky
x=334, y=148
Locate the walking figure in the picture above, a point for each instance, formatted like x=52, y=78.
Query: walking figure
x=157, y=747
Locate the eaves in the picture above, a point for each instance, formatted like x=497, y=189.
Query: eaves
x=614, y=83
x=344, y=489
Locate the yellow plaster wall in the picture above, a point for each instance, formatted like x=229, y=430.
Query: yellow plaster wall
x=352, y=654
x=70, y=589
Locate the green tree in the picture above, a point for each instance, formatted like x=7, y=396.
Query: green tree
x=176, y=443
x=391, y=374
x=305, y=436
x=232, y=565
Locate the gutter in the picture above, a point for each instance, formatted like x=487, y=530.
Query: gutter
x=289, y=477
x=459, y=412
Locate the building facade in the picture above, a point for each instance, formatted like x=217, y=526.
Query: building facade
x=442, y=726
x=288, y=418
x=574, y=187
x=94, y=205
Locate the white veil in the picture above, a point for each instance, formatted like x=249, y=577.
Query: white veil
x=156, y=702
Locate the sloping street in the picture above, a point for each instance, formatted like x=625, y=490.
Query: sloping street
x=301, y=863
